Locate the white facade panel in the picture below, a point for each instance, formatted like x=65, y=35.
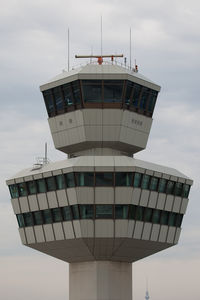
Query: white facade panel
x=48, y=231
x=22, y=236
x=15, y=205
x=155, y=232
x=169, y=202
x=136, y=196
x=146, y=231
x=153, y=199
x=144, y=198
x=184, y=205
x=177, y=235
x=71, y=194
x=23, y=201
x=52, y=200
x=104, y=228
x=138, y=230
x=58, y=230
x=161, y=201
x=93, y=133
x=131, y=225
x=85, y=195
x=62, y=198
x=163, y=233
x=123, y=195
x=39, y=234
x=30, y=237
x=68, y=230
x=121, y=228
x=177, y=204
x=93, y=116
x=104, y=195
x=112, y=116
x=42, y=201
x=171, y=234
x=77, y=228
x=111, y=133
x=33, y=203
x=87, y=228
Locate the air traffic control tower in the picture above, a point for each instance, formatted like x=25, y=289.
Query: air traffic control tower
x=100, y=209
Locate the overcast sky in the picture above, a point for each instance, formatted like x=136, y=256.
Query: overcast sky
x=166, y=44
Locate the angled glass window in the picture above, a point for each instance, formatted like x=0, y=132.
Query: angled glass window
x=37, y=215
x=104, y=211
x=48, y=98
x=20, y=220
x=129, y=92
x=28, y=219
x=153, y=184
x=144, y=97
x=85, y=179
x=57, y=216
x=75, y=212
x=69, y=179
x=51, y=184
x=139, y=216
x=113, y=91
x=67, y=92
x=121, y=211
x=58, y=99
x=164, y=218
x=14, y=191
x=152, y=101
x=66, y=212
x=47, y=216
x=41, y=186
x=162, y=185
x=22, y=189
x=179, y=218
x=104, y=179
x=137, y=180
x=136, y=94
x=145, y=181
x=87, y=211
x=92, y=90
x=76, y=91
x=148, y=214
x=123, y=179
x=156, y=216
x=132, y=212
x=186, y=190
x=60, y=182
x=178, y=189
x=32, y=187
x=170, y=187
x=172, y=219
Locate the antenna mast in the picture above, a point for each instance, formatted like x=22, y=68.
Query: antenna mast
x=68, y=49
x=130, y=48
x=101, y=38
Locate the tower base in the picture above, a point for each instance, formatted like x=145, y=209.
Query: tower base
x=100, y=280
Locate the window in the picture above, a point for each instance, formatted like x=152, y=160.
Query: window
x=104, y=179
x=48, y=98
x=57, y=216
x=113, y=91
x=123, y=179
x=60, y=182
x=172, y=219
x=153, y=184
x=145, y=181
x=121, y=211
x=178, y=221
x=104, y=211
x=170, y=187
x=92, y=91
x=76, y=91
x=51, y=185
x=156, y=216
x=137, y=179
x=66, y=212
x=148, y=214
x=164, y=218
x=152, y=101
x=75, y=212
x=186, y=190
x=132, y=212
x=28, y=219
x=20, y=220
x=58, y=99
x=139, y=216
x=85, y=179
x=22, y=189
x=67, y=92
x=144, y=98
x=136, y=94
x=32, y=188
x=47, y=216
x=129, y=90
x=178, y=189
x=162, y=185
x=69, y=177
x=38, y=217
x=41, y=186
x=87, y=211
x=14, y=191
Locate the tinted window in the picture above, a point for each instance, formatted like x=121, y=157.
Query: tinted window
x=48, y=98
x=139, y=213
x=186, y=190
x=92, y=90
x=113, y=92
x=60, y=182
x=85, y=179
x=67, y=93
x=162, y=185
x=104, y=179
x=28, y=219
x=51, y=185
x=47, y=216
x=104, y=212
x=69, y=177
x=32, y=188
x=148, y=214
x=57, y=216
x=20, y=220
x=136, y=94
x=137, y=179
x=152, y=101
x=121, y=211
x=38, y=217
x=14, y=191
x=76, y=92
x=164, y=218
x=22, y=189
x=178, y=189
x=170, y=187
x=66, y=212
x=145, y=181
x=153, y=184
x=75, y=212
x=123, y=179
x=129, y=92
x=132, y=212
x=156, y=216
x=58, y=99
x=87, y=211
x=144, y=98
x=41, y=186
x=172, y=219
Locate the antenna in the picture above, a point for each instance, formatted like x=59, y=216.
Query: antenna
x=68, y=49
x=130, y=48
x=101, y=38
x=147, y=292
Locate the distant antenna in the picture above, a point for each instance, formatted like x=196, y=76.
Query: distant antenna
x=147, y=293
x=68, y=49
x=130, y=48
x=101, y=38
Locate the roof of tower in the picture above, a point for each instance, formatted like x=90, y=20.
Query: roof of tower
x=99, y=72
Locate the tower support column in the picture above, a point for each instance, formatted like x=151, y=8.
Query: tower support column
x=100, y=280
